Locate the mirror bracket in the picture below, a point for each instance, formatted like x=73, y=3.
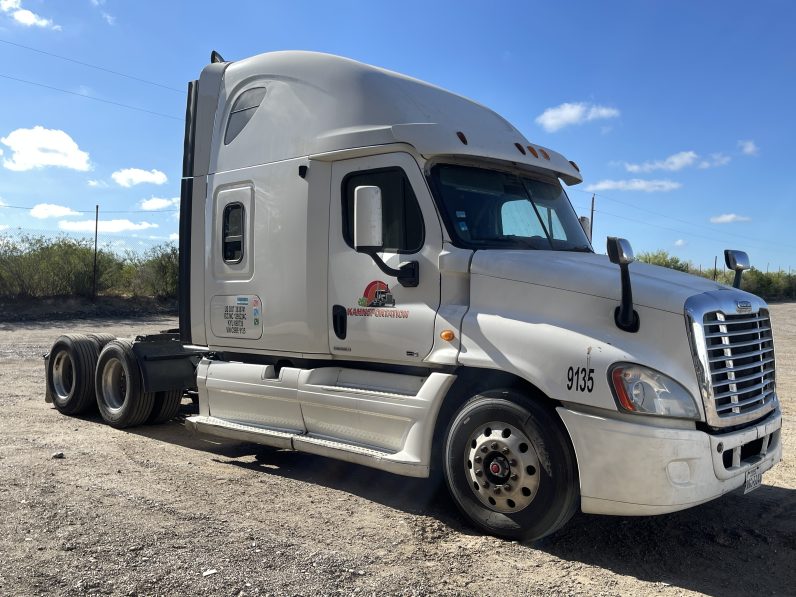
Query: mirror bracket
x=625, y=316
x=408, y=274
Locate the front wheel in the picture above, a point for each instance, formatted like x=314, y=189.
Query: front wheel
x=510, y=467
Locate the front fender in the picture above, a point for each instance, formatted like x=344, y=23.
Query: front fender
x=538, y=333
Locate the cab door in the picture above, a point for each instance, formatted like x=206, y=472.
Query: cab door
x=371, y=315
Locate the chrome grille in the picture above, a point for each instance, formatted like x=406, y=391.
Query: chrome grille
x=740, y=355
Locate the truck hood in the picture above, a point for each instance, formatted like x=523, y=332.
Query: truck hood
x=587, y=273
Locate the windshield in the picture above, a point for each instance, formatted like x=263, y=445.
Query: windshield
x=489, y=209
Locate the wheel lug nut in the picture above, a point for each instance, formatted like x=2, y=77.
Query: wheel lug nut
x=513, y=462
x=484, y=484
x=478, y=473
x=507, y=487
x=478, y=459
x=514, y=477
x=494, y=446
x=497, y=490
x=485, y=449
x=505, y=450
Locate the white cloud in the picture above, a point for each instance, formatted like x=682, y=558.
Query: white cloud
x=156, y=203
x=568, y=113
x=174, y=236
x=634, y=184
x=680, y=243
x=128, y=177
x=98, y=184
x=25, y=17
x=2, y=202
x=50, y=210
x=39, y=147
x=110, y=19
x=748, y=147
x=110, y=226
x=4, y=227
x=674, y=162
x=714, y=161
x=728, y=219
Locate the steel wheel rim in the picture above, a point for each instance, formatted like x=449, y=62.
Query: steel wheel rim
x=63, y=375
x=115, y=385
x=502, y=466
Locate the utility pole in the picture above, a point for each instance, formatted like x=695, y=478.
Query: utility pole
x=715, y=267
x=96, y=228
x=591, y=220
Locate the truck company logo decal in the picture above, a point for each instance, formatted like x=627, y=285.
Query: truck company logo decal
x=377, y=301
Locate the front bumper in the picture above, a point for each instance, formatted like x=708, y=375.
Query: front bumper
x=631, y=469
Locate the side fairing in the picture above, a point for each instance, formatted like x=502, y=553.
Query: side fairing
x=554, y=338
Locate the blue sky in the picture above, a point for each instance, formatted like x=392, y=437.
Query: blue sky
x=680, y=114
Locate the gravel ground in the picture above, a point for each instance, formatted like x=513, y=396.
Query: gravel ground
x=155, y=511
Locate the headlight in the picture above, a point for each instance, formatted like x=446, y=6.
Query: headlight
x=641, y=390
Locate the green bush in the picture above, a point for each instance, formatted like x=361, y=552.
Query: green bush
x=36, y=266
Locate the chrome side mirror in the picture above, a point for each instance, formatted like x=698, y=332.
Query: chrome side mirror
x=367, y=219
x=736, y=261
x=621, y=253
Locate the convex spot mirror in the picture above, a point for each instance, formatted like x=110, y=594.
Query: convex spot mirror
x=620, y=251
x=736, y=261
x=585, y=223
x=367, y=219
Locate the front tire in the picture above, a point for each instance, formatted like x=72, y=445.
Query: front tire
x=510, y=467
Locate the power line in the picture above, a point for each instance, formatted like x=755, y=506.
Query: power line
x=86, y=211
x=94, y=66
x=646, y=223
x=91, y=97
x=662, y=215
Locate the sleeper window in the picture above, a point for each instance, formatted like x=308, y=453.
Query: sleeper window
x=402, y=223
x=232, y=234
x=242, y=111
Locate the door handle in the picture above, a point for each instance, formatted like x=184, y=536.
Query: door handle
x=339, y=321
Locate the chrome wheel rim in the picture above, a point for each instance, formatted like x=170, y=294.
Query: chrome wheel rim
x=502, y=466
x=63, y=375
x=114, y=384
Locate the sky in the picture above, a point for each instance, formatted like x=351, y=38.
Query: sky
x=679, y=113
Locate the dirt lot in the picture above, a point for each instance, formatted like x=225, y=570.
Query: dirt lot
x=154, y=511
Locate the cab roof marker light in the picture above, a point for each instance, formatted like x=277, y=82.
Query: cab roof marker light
x=574, y=165
x=520, y=148
x=533, y=152
x=462, y=138
x=545, y=155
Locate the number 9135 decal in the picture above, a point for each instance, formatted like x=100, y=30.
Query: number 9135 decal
x=580, y=379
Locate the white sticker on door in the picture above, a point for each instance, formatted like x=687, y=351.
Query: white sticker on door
x=236, y=316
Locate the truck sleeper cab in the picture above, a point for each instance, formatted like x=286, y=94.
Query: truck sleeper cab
x=387, y=273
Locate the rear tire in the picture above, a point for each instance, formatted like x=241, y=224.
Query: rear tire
x=101, y=340
x=510, y=467
x=120, y=396
x=166, y=407
x=70, y=373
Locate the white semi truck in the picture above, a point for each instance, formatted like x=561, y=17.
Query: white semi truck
x=377, y=270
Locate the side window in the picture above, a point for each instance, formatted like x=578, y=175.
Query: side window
x=402, y=222
x=232, y=233
x=242, y=111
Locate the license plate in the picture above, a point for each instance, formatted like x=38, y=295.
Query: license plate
x=754, y=477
